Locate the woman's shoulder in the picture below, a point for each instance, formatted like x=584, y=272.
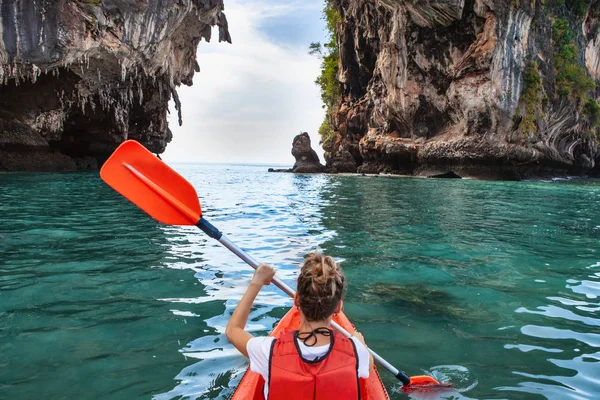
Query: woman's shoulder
x=260, y=344
x=260, y=341
x=259, y=350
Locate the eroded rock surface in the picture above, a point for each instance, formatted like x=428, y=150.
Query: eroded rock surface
x=438, y=86
x=80, y=76
x=307, y=160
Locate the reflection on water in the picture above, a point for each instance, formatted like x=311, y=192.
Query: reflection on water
x=491, y=285
x=565, y=311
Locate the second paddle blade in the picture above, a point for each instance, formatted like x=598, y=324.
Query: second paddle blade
x=151, y=185
x=424, y=383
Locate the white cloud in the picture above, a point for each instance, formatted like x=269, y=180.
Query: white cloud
x=253, y=96
x=261, y=10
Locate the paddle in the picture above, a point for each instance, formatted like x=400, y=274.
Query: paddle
x=157, y=189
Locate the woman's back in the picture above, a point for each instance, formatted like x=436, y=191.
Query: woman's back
x=313, y=360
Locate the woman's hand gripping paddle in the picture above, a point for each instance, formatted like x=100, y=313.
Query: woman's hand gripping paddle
x=169, y=198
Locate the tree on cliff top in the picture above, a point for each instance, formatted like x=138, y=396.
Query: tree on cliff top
x=327, y=81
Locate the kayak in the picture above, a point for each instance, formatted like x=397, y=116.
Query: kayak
x=251, y=385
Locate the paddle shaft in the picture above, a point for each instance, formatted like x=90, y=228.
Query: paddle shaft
x=214, y=233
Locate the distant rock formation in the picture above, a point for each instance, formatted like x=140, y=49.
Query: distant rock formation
x=307, y=160
x=78, y=77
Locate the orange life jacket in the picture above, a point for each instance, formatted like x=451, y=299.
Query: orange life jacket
x=331, y=377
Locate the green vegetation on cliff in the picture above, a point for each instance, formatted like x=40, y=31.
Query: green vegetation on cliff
x=572, y=79
x=577, y=7
x=532, y=99
x=328, y=81
x=91, y=4
x=592, y=110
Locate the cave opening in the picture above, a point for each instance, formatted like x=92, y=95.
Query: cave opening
x=27, y=99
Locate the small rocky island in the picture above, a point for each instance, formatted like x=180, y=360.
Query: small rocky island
x=307, y=160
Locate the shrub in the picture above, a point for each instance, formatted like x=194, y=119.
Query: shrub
x=532, y=98
x=577, y=7
x=327, y=134
x=327, y=80
x=572, y=79
x=592, y=111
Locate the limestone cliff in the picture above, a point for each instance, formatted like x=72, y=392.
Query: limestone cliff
x=77, y=77
x=483, y=88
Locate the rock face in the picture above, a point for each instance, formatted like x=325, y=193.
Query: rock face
x=80, y=76
x=482, y=88
x=307, y=160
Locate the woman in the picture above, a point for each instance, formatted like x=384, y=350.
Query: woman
x=314, y=362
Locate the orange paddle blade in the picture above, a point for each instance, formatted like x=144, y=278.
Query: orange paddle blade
x=151, y=185
x=424, y=383
x=422, y=380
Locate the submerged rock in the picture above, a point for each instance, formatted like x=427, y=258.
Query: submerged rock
x=476, y=88
x=421, y=299
x=77, y=77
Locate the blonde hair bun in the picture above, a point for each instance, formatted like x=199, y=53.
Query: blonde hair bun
x=321, y=284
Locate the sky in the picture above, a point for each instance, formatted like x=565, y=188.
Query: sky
x=253, y=96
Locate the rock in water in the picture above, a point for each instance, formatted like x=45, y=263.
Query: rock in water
x=78, y=77
x=479, y=88
x=307, y=160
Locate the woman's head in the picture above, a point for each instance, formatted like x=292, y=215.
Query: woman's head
x=321, y=284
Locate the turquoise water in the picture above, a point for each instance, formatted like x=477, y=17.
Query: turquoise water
x=493, y=285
